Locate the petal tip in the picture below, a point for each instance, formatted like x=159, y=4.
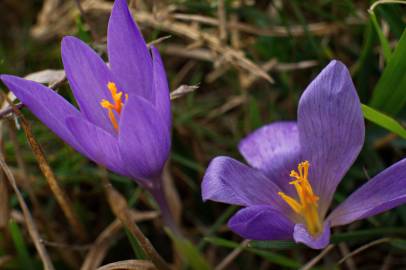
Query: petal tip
x=5, y=77
x=68, y=39
x=336, y=66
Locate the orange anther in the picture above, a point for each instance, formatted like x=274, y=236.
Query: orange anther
x=117, y=104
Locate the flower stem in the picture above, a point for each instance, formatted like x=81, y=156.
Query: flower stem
x=160, y=197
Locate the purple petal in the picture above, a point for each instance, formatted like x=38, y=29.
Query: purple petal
x=381, y=193
x=229, y=181
x=48, y=106
x=88, y=77
x=161, y=89
x=275, y=150
x=144, y=139
x=261, y=222
x=331, y=129
x=301, y=235
x=99, y=145
x=129, y=57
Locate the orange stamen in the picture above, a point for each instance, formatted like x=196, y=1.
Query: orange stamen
x=117, y=104
x=306, y=206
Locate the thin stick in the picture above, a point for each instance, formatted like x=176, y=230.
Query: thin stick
x=31, y=227
x=231, y=257
x=221, y=14
x=364, y=247
x=120, y=209
x=56, y=189
x=316, y=259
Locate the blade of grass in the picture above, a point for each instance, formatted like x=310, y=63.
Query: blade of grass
x=270, y=256
x=364, y=235
x=20, y=246
x=389, y=93
x=189, y=252
x=138, y=252
x=382, y=39
x=383, y=120
x=220, y=221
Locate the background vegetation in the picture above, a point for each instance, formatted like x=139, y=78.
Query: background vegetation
x=251, y=60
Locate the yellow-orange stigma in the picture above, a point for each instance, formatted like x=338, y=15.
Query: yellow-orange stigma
x=306, y=206
x=117, y=104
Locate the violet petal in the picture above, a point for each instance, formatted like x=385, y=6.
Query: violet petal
x=383, y=192
x=129, y=57
x=161, y=88
x=261, y=222
x=144, y=139
x=275, y=150
x=301, y=235
x=99, y=145
x=88, y=77
x=331, y=129
x=230, y=181
x=47, y=105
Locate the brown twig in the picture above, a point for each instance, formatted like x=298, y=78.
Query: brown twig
x=118, y=205
x=99, y=248
x=316, y=259
x=31, y=227
x=56, y=189
x=221, y=14
x=364, y=247
x=231, y=257
x=129, y=265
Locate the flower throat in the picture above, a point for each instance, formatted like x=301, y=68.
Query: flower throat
x=307, y=206
x=117, y=104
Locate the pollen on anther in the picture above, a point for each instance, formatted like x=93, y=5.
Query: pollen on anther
x=116, y=104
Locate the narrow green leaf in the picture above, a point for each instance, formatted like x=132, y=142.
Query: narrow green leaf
x=138, y=252
x=20, y=246
x=216, y=225
x=270, y=256
x=384, y=121
x=189, y=253
x=365, y=235
x=274, y=245
x=389, y=93
x=399, y=243
x=384, y=42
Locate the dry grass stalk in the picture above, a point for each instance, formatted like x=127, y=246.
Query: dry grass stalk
x=26, y=181
x=316, y=29
x=229, y=105
x=183, y=90
x=344, y=250
x=181, y=29
x=4, y=202
x=56, y=189
x=316, y=259
x=99, y=248
x=231, y=257
x=364, y=247
x=129, y=265
x=31, y=227
x=119, y=206
x=5, y=260
x=221, y=14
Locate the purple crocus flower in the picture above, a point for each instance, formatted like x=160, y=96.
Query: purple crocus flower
x=124, y=119
x=282, y=203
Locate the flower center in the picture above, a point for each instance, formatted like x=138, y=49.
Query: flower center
x=117, y=104
x=307, y=205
